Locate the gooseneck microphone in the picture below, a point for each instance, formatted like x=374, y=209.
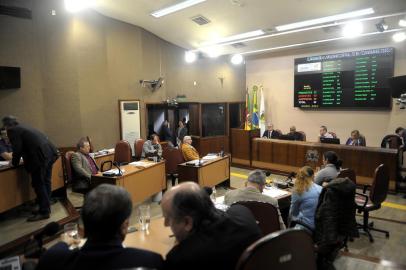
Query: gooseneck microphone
x=117, y=165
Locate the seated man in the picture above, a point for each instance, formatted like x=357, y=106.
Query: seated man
x=253, y=192
x=6, y=151
x=270, y=133
x=294, y=135
x=207, y=237
x=152, y=147
x=356, y=139
x=324, y=133
x=105, y=214
x=188, y=151
x=83, y=165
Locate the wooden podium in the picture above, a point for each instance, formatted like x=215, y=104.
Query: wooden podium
x=241, y=145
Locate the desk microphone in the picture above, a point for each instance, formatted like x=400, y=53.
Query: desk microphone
x=117, y=165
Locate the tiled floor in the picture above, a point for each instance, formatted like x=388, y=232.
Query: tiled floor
x=392, y=249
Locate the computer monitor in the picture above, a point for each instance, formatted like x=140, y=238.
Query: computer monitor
x=330, y=140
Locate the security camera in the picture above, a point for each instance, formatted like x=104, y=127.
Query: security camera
x=152, y=84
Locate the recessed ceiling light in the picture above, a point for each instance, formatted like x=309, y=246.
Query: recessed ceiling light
x=190, y=57
x=399, y=37
x=176, y=7
x=338, y=17
x=234, y=37
x=352, y=29
x=402, y=22
x=237, y=59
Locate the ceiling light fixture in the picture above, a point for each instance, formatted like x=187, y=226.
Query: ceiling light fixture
x=212, y=51
x=327, y=19
x=234, y=37
x=317, y=42
x=402, y=22
x=237, y=59
x=399, y=37
x=190, y=57
x=176, y=7
x=353, y=29
x=382, y=26
x=78, y=5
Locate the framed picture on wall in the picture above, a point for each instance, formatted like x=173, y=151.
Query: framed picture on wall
x=130, y=121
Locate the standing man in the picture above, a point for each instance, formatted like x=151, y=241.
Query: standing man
x=83, y=166
x=270, y=133
x=38, y=154
x=6, y=151
x=180, y=133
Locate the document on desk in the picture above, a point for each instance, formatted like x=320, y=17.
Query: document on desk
x=209, y=157
x=142, y=164
x=274, y=192
x=115, y=171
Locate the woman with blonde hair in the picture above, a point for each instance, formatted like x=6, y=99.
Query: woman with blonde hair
x=305, y=197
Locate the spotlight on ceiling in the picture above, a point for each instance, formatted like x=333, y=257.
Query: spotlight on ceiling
x=399, y=37
x=352, y=29
x=78, y=5
x=190, y=57
x=382, y=26
x=402, y=22
x=237, y=59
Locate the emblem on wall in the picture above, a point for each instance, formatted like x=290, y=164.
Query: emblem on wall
x=312, y=156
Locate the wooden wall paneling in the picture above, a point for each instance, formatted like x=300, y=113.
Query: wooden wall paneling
x=280, y=153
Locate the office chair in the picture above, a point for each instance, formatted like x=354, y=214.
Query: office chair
x=303, y=135
x=373, y=201
x=138, y=144
x=173, y=157
x=290, y=249
x=122, y=152
x=349, y=173
x=265, y=214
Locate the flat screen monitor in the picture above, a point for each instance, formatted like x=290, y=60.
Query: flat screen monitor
x=347, y=80
x=398, y=85
x=10, y=77
x=330, y=140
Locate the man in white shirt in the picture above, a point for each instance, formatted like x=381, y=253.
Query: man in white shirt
x=324, y=133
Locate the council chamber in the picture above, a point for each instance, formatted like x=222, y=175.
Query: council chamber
x=198, y=134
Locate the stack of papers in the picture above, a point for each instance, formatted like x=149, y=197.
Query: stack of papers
x=4, y=163
x=209, y=157
x=274, y=192
x=115, y=171
x=143, y=164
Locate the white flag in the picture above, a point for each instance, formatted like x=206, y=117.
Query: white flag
x=262, y=113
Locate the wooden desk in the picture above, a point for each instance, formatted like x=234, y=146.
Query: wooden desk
x=156, y=239
x=141, y=183
x=15, y=185
x=211, y=173
x=288, y=156
x=241, y=145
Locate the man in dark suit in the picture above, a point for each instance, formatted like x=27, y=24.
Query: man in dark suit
x=38, y=154
x=293, y=135
x=105, y=214
x=270, y=133
x=207, y=238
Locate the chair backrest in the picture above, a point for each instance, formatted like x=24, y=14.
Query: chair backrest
x=380, y=185
x=279, y=131
x=122, y=152
x=138, y=144
x=68, y=166
x=333, y=134
x=362, y=138
x=392, y=141
x=266, y=215
x=289, y=249
x=303, y=135
x=349, y=173
x=173, y=157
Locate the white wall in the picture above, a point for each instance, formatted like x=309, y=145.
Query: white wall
x=276, y=73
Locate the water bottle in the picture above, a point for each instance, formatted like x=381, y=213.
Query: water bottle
x=213, y=194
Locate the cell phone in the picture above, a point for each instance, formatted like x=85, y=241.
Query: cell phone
x=131, y=229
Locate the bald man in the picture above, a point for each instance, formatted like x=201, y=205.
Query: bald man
x=207, y=238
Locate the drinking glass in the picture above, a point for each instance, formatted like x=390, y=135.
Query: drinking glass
x=72, y=234
x=145, y=217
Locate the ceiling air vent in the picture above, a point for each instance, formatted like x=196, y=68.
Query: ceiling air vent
x=200, y=20
x=239, y=45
